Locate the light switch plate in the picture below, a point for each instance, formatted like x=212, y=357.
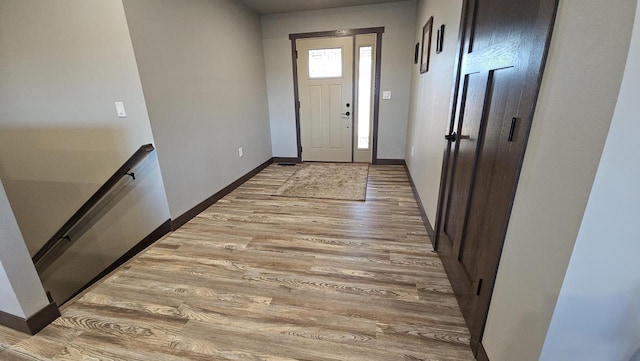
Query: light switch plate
x=386, y=95
x=120, y=110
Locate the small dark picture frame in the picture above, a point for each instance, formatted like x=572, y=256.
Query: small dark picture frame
x=426, y=46
x=416, y=54
x=440, y=39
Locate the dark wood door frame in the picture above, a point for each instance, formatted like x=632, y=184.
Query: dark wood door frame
x=449, y=162
x=452, y=120
x=376, y=93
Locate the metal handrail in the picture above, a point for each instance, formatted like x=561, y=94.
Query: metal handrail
x=63, y=232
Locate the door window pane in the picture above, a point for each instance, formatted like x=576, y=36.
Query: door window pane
x=364, y=96
x=325, y=63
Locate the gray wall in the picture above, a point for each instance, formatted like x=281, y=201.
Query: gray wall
x=429, y=112
x=575, y=108
x=597, y=316
x=63, y=64
x=397, y=58
x=21, y=292
x=202, y=70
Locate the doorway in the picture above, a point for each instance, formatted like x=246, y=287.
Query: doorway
x=502, y=51
x=336, y=91
x=325, y=84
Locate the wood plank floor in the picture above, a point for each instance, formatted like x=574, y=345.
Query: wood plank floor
x=259, y=277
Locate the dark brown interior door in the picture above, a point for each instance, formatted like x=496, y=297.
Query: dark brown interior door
x=502, y=51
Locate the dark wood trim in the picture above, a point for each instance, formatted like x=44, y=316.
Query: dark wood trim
x=337, y=33
x=286, y=160
x=150, y=239
x=296, y=97
x=14, y=322
x=423, y=213
x=376, y=93
x=354, y=111
x=482, y=354
x=391, y=162
x=124, y=170
x=43, y=317
x=452, y=121
x=188, y=215
x=376, y=99
x=33, y=324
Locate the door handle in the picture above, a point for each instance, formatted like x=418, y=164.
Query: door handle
x=451, y=137
x=347, y=113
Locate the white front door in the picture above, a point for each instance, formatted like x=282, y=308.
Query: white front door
x=325, y=80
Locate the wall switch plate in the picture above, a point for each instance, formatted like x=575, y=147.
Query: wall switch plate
x=240, y=153
x=386, y=95
x=120, y=110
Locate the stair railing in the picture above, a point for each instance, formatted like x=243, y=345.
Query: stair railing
x=63, y=234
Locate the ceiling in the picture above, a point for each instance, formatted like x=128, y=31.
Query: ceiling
x=264, y=7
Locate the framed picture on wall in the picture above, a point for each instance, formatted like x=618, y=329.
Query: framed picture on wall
x=426, y=45
x=440, y=39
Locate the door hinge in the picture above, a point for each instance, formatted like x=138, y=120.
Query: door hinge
x=298, y=104
x=479, y=287
x=296, y=54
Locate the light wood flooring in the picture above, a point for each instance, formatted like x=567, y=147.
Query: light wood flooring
x=259, y=277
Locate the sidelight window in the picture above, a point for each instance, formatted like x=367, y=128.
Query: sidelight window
x=365, y=67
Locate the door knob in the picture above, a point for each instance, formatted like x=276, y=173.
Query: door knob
x=451, y=137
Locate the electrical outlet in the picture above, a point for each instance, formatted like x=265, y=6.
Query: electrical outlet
x=240, y=153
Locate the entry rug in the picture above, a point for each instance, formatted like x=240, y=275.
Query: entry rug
x=342, y=181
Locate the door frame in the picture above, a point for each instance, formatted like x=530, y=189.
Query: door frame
x=376, y=93
x=457, y=65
